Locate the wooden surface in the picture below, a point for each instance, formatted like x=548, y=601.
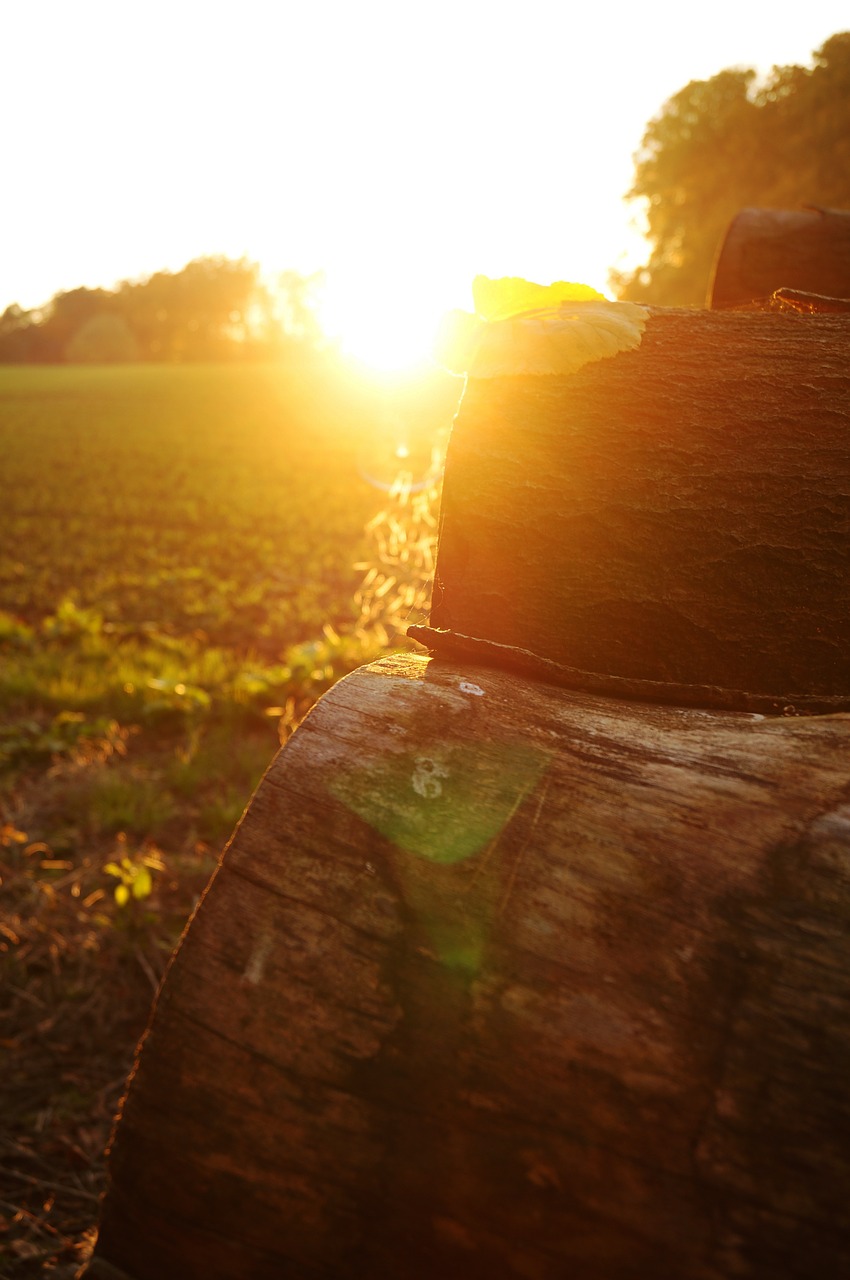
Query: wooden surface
x=677, y=513
x=768, y=249
x=497, y=980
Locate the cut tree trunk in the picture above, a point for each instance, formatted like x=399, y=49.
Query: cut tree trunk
x=501, y=980
x=769, y=249
x=678, y=514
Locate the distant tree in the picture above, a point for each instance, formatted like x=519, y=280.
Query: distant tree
x=297, y=306
x=65, y=315
x=210, y=300
x=144, y=305
x=199, y=313
x=19, y=336
x=103, y=339
x=215, y=308
x=722, y=144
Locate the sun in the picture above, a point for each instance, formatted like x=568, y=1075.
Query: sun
x=380, y=323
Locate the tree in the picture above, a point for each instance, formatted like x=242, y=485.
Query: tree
x=65, y=315
x=103, y=339
x=199, y=313
x=719, y=145
x=215, y=308
x=18, y=336
x=297, y=303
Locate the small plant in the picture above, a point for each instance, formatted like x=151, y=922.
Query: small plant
x=70, y=621
x=69, y=734
x=135, y=881
x=175, y=700
x=397, y=581
x=14, y=633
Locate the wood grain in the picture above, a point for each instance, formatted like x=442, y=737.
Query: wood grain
x=768, y=249
x=500, y=980
x=679, y=513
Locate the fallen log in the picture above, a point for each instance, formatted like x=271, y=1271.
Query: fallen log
x=499, y=980
x=531, y=959
x=769, y=249
x=679, y=514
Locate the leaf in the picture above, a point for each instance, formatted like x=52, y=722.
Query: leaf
x=524, y=328
x=122, y=895
x=512, y=296
x=558, y=341
x=10, y=835
x=142, y=883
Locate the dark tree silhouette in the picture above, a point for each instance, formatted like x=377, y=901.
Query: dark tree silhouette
x=215, y=308
x=719, y=145
x=18, y=336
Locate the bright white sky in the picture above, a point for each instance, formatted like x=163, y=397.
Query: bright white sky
x=401, y=146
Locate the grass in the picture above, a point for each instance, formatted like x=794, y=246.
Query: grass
x=205, y=498
x=189, y=557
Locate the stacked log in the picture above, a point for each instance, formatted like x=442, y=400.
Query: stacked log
x=769, y=249
x=679, y=514
x=530, y=959
x=498, y=980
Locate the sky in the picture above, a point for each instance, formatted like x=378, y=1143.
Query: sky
x=400, y=147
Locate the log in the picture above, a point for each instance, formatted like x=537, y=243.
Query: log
x=531, y=959
x=676, y=515
x=497, y=979
x=769, y=249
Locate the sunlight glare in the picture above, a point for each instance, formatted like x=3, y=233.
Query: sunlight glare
x=388, y=321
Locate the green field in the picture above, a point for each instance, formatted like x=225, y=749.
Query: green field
x=226, y=499
x=177, y=586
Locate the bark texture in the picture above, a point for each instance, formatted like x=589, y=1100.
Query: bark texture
x=677, y=513
x=499, y=980
x=769, y=249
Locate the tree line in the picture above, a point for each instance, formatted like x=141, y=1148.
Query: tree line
x=215, y=308
x=716, y=146
x=730, y=142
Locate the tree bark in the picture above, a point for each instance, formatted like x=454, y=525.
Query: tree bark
x=678, y=513
x=769, y=249
x=499, y=980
